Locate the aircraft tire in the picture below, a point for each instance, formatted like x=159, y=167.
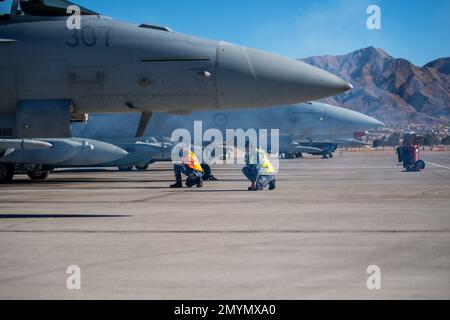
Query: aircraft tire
x=142, y=167
x=38, y=175
x=7, y=171
x=125, y=169
x=289, y=156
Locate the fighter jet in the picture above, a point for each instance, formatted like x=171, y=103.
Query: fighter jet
x=314, y=128
x=52, y=71
x=311, y=128
x=298, y=124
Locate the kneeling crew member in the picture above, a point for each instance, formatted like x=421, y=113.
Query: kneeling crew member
x=190, y=166
x=259, y=170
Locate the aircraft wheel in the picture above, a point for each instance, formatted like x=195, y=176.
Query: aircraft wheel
x=330, y=155
x=290, y=156
x=419, y=165
x=125, y=169
x=143, y=167
x=7, y=171
x=38, y=175
x=206, y=172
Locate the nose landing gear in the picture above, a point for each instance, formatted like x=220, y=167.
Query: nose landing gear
x=7, y=171
x=327, y=155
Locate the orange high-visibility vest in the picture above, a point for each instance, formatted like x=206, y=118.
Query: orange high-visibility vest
x=192, y=162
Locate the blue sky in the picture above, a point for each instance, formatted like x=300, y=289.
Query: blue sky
x=418, y=30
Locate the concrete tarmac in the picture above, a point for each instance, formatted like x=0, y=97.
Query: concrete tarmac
x=312, y=238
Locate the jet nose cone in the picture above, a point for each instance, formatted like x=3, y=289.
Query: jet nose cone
x=359, y=121
x=371, y=123
x=252, y=78
x=377, y=124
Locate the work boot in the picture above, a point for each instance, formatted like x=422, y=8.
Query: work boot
x=177, y=185
x=199, y=183
x=191, y=182
x=272, y=185
x=253, y=187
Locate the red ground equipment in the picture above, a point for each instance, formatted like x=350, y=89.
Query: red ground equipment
x=409, y=155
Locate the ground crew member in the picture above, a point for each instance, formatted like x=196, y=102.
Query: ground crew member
x=190, y=166
x=259, y=170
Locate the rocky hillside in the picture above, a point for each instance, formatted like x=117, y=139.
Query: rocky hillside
x=393, y=90
x=442, y=65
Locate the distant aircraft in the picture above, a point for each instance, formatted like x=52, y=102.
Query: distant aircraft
x=52, y=74
x=324, y=148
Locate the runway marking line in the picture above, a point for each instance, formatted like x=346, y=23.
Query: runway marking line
x=438, y=165
x=368, y=231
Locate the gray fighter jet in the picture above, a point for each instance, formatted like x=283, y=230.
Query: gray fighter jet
x=53, y=72
x=313, y=128
x=311, y=120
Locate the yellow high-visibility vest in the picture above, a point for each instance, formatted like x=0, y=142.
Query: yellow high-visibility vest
x=260, y=158
x=191, y=161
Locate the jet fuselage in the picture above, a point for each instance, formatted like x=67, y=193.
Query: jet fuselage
x=110, y=66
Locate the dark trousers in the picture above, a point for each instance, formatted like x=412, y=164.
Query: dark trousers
x=262, y=182
x=192, y=174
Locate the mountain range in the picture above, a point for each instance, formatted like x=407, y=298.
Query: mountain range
x=392, y=90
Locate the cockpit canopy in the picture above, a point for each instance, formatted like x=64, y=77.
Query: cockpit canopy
x=48, y=8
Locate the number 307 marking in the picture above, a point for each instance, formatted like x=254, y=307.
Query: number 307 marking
x=88, y=37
